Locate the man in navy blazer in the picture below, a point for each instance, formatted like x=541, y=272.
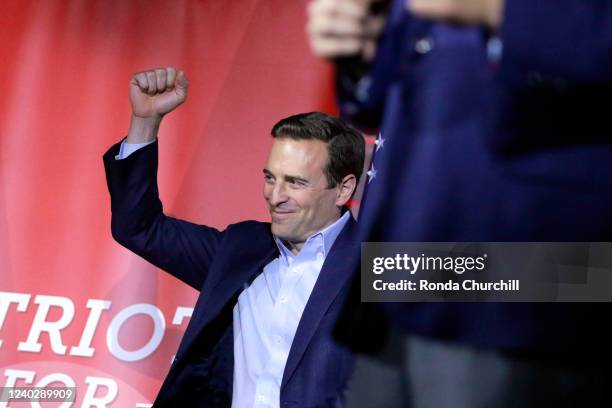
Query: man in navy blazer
x=270, y=293
x=494, y=126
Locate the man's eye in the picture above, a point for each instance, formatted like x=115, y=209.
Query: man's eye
x=297, y=183
x=268, y=179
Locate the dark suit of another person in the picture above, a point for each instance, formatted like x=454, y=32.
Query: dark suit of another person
x=495, y=139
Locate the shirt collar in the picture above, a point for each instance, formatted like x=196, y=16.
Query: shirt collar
x=320, y=241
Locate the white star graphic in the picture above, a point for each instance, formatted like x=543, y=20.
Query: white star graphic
x=371, y=173
x=379, y=141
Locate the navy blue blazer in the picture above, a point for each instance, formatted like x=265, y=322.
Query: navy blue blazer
x=478, y=148
x=218, y=264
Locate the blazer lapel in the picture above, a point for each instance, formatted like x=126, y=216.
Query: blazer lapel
x=335, y=273
x=246, y=266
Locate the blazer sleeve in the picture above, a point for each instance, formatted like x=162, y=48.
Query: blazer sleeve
x=185, y=250
x=562, y=41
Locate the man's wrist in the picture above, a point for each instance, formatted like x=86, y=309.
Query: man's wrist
x=143, y=130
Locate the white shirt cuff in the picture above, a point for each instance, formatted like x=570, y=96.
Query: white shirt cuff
x=128, y=148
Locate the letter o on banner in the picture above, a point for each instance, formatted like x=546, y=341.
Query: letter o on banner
x=112, y=335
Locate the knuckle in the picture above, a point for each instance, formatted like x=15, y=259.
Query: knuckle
x=324, y=7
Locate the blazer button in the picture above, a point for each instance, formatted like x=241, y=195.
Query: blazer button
x=423, y=45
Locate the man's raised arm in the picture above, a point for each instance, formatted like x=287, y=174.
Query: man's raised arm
x=182, y=248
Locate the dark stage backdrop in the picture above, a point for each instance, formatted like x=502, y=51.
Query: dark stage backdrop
x=76, y=308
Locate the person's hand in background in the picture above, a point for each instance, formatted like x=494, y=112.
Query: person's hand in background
x=488, y=13
x=343, y=28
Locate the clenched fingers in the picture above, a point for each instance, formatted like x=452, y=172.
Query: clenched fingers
x=155, y=81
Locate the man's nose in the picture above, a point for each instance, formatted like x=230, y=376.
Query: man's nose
x=279, y=194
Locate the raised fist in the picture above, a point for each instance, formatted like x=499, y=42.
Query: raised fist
x=156, y=92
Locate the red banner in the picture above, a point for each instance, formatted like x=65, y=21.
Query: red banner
x=76, y=309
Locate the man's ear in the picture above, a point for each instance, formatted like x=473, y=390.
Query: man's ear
x=345, y=189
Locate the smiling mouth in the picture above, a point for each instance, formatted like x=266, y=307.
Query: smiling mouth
x=280, y=215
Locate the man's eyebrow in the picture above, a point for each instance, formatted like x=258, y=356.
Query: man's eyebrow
x=296, y=178
x=287, y=177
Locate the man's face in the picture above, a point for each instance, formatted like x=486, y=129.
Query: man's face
x=296, y=190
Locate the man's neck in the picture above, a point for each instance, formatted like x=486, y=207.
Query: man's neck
x=296, y=247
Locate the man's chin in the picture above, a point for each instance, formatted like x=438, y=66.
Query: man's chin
x=281, y=231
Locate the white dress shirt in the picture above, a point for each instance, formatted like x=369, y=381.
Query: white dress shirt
x=267, y=316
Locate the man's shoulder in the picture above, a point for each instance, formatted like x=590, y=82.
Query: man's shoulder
x=250, y=227
x=248, y=241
